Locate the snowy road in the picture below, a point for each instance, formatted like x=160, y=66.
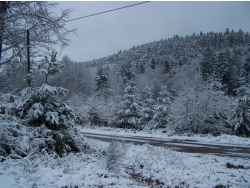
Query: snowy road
x=187, y=146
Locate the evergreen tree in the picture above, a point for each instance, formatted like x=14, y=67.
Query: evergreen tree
x=240, y=37
x=140, y=67
x=234, y=74
x=153, y=64
x=50, y=66
x=126, y=72
x=102, y=84
x=162, y=109
x=209, y=63
x=231, y=38
x=167, y=66
x=220, y=40
x=147, y=111
x=129, y=115
x=224, y=61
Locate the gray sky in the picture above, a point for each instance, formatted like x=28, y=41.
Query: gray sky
x=105, y=34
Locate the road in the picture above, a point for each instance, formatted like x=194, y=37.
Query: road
x=187, y=146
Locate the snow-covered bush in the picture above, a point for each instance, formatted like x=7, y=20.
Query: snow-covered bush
x=96, y=118
x=14, y=137
x=7, y=103
x=100, y=112
x=241, y=118
x=114, y=154
x=200, y=107
x=202, y=111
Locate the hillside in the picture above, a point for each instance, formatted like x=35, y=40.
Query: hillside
x=194, y=84
x=192, y=88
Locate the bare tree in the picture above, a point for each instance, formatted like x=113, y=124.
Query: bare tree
x=3, y=10
x=47, y=29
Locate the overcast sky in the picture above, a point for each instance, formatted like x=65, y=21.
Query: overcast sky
x=106, y=34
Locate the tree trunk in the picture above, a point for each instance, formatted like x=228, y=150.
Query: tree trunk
x=28, y=58
x=3, y=10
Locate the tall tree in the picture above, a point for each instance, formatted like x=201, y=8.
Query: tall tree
x=3, y=10
x=102, y=84
x=50, y=66
x=209, y=63
x=147, y=111
x=129, y=115
x=47, y=29
x=162, y=109
x=224, y=61
x=126, y=72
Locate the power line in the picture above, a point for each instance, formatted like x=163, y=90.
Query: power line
x=82, y=17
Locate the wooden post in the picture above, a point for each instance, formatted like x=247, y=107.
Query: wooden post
x=28, y=58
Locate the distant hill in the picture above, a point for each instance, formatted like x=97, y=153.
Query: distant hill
x=177, y=50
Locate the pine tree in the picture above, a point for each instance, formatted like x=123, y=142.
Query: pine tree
x=140, y=67
x=147, y=111
x=102, y=84
x=126, y=72
x=224, y=61
x=129, y=115
x=236, y=68
x=50, y=66
x=167, y=66
x=162, y=109
x=209, y=63
x=231, y=38
x=153, y=64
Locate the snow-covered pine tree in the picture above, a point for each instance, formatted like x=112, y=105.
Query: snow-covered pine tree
x=129, y=115
x=224, y=61
x=43, y=105
x=236, y=68
x=147, y=111
x=126, y=72
x=50, y=66
x=102, y=84
x=162, y=109
x=241, y=118
x=208, y=64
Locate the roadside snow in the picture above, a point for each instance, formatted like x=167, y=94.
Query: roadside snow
x=222, y=139
x=142, y=166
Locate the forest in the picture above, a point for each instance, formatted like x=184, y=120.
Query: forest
x=196, y=84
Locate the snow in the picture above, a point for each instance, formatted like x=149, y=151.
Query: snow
x=145, y=161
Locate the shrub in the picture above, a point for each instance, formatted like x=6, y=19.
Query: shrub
x=114, y=155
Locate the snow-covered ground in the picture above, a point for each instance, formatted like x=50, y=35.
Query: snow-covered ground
x=141, y=166
x=158, y=134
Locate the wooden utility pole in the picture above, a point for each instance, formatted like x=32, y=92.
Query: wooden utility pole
x=3, y=10
x=28, y=58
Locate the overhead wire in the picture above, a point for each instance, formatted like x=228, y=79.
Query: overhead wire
x=91, y=15
x=107, y=11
